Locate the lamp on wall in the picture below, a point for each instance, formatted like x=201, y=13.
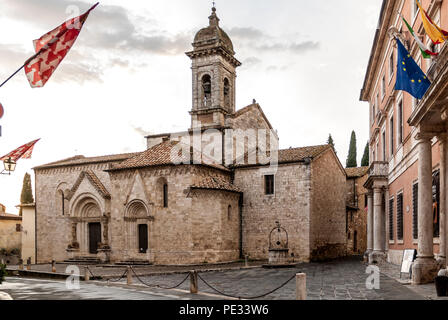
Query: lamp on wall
x=9, y=166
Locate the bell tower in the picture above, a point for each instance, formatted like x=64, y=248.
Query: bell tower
x=214, y=74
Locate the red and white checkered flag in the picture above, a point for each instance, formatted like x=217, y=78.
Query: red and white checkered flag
x=23, y=152
x=51, y=48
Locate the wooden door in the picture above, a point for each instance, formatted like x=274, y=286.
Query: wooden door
x=142, y=238
x=94, y=236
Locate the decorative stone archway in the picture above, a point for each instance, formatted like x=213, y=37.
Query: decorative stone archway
x=137, y=214
x=87, y=209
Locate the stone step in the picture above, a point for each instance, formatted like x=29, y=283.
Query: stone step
x=83, y=260
x=134, y=262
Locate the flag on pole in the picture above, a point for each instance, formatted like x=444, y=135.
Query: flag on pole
x=435, y=33
x=426, y=53
x=51, y=49
x=23, y=152
x=410, y=77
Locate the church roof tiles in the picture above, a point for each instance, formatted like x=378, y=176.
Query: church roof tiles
x=80, y=160
x=214, y=183
x=162, y=154
x=356, y=172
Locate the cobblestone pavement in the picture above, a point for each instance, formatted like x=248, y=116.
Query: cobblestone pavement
x=343, y=279
x=428, y=291
x=336, y=280
x=40, y=289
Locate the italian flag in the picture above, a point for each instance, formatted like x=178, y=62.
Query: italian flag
x=426, y=53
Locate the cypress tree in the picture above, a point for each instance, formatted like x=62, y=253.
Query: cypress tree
x=351, y=158
x=27, y=192
x=365, y=157
x=330, y=140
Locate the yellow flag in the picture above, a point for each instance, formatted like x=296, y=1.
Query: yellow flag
x=433, y=31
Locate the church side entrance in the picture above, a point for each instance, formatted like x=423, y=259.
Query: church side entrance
x=94, y=236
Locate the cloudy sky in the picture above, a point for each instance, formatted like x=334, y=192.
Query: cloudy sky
x=127, y=74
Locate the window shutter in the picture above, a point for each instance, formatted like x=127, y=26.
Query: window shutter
x=391, y=219
x=415, y=211
x=400, y=216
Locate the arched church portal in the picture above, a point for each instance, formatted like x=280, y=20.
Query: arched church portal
x=137, y=224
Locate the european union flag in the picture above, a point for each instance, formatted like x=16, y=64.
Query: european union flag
x=410, y=77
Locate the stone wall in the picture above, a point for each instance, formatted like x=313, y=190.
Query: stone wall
x=193, y=228
x=53, y=226
x=215, y=225
x=328, y=195
x=357, y=219
x=290, y=205
x=10, y=237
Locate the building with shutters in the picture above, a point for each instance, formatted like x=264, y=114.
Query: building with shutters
x=178, y=203
x=408, y=151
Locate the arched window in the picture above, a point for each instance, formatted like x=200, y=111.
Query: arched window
x=206, y=90
x=229, y=212
x=226, y=92
x=162, y=192
x=60, y=201
x=165, y=195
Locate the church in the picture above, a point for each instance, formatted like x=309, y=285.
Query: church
x=213, y=193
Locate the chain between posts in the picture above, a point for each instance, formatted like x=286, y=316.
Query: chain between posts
x=111, y=280
x=203, y=280
x=156, y=285
x=245, y=298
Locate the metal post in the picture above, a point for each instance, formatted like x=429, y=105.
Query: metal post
x=129, y=275
x=53, y=266
x=28, y=264
x=300, y=286
x=246, y=260
x=193, y=281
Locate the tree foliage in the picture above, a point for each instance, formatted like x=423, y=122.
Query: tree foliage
x=365, y=157
x=27, y=191
x=351, y=158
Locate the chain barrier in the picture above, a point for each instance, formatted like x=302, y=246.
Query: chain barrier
x=111, y=280
x=241, y=297
x=203, y=280
x=156, y=285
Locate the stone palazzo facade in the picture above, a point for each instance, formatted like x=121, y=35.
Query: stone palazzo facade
x=408, y=145
x=146, y=207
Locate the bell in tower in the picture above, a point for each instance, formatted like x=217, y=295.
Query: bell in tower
x=214, y=75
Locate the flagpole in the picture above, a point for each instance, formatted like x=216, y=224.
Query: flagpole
x=17, y=71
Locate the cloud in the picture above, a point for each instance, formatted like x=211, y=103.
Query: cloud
x=111, y=34
x=251, y=62
x=245, y=33
x=258, y=40
x=297, y=48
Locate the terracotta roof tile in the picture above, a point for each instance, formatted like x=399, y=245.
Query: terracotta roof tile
x=299, y=154
x=214, y=183
x=356, y=172
x=161, y=155
x=294, y=154
x=80, y=160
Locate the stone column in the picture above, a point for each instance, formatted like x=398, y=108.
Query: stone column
x=386, y=220
x=441, y=258
x=424, y=268
x=369, y=223
x=378, y=221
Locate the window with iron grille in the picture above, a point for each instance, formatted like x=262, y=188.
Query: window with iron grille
x=269, y=184
x=391, y=219
x=415, y=211
x=400, y=216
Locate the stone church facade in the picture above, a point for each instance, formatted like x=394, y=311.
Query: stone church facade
x=180, y=203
